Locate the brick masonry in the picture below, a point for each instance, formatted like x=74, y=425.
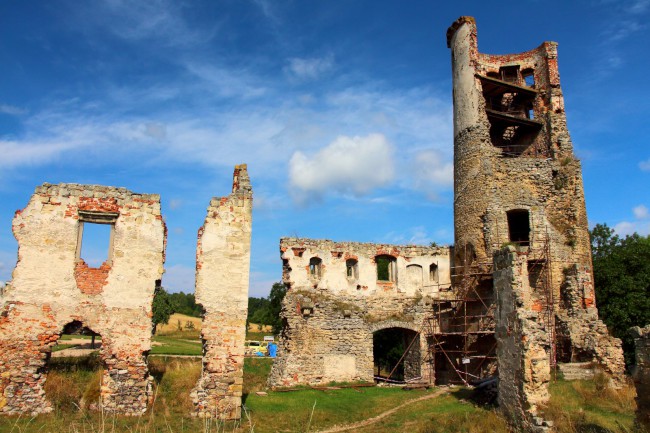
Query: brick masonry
x=52, y=287
x=222, y=271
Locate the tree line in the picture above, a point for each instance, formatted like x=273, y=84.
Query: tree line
x=262, y=311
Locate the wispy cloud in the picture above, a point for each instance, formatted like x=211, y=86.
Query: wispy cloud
x=12, y=110
x=645, y=165
x=628, y=19
x=132, y=20
x=310, y=68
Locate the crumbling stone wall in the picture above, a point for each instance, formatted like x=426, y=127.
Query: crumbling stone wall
x=578, y=318
x=642, y=374
x=53, y=287
x=517, y=180
x=523, y=344
x=222, y=270
x=330, y=312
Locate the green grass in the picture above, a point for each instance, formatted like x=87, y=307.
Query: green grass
x=173, y=346
x=73, y=387
x=590, y=407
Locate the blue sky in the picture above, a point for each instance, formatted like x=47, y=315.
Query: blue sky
x=340, y=108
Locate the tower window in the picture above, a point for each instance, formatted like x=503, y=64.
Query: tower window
x=519, y=226
x=529, y=77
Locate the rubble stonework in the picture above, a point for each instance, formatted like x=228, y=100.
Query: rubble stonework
x=642, y=374
x=222, y=270
x=335, y=303
x=522, y=344
x=517, y=180
x=53, y=287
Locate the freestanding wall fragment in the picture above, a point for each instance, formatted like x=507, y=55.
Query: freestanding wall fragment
x=517, y=181
x=222, y=270
x=642, y=374
x=522, y=344
x=54, y=288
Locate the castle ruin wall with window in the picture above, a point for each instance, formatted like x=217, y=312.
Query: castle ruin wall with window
x=340, y=293
x=53, y=288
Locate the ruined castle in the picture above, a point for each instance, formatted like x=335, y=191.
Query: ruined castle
x=514, y=295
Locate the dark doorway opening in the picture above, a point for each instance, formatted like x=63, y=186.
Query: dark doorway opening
x=392, y=354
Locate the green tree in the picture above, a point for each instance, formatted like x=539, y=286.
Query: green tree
x=162, y=307
x=622, y=282
x=266, y=311
x=278, y=291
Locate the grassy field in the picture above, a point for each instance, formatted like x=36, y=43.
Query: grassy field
x=73, y=388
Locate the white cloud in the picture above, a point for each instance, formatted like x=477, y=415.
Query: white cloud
x=354, y=165
x=310, y=69
x=645, y=165
x=640, y=225
x=12, y=110
x=641, y=212
x=625, y=228
x=432, y=172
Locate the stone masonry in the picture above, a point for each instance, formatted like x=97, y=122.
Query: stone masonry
x=642, y=374
x=517, y=182
x=337, y=298
x=522, y=344
x=222, y=271
x=53, y=287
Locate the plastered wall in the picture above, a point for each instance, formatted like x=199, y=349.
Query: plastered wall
x=52, y=287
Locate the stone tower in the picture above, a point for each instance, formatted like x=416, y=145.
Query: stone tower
x=517, y=181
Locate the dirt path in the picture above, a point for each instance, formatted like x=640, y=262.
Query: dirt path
x=381, y=416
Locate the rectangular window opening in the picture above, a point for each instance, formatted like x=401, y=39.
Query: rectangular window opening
x=519, y=226
x=95, y=237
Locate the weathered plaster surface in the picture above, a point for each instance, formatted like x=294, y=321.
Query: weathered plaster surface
x=330, y=317
x=222, y=271
x=52, y=287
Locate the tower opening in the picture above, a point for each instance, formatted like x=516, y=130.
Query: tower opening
x=519, y=226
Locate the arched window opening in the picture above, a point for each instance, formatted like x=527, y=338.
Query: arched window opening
x=352, y=269
x=386, y=268
x=433, y=273
x=519, y=226
x=315, y=267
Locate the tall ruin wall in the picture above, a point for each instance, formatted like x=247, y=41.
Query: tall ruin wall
x=222, y=273
x=53, y=286
x=337, y=298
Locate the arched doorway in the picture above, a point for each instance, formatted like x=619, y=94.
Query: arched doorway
x=396, y=354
